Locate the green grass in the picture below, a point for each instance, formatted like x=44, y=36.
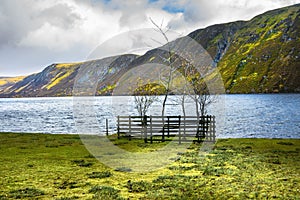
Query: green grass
x=43, y=166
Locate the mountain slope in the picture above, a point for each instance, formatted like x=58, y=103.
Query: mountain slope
x=261, y=55
x=257, y=56
x=7, y=82
x=58, y=79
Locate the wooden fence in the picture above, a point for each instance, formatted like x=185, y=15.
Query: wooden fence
x=162, y=128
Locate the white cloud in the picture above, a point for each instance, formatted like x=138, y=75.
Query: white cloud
x=66, y=24
x=53, y=37
x=202, y=13
x=132, y=12
x=67, y=30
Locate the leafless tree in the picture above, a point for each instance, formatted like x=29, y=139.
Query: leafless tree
x=166, y=77
x=194, y=86
x=144, y=96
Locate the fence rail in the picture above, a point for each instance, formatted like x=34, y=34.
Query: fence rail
x=162, y=128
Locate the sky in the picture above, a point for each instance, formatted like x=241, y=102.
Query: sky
x=37, y=33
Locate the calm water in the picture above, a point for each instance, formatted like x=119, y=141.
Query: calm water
x=263, y=116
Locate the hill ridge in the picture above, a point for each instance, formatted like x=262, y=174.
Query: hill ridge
x=261, y=55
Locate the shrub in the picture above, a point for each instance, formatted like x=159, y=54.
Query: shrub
x=123, y=169
x=104, y=174
x=68, y=184
x=26, y=192
x=82, y=163
x=105, y=192
x=139, y=186
x=285, y=143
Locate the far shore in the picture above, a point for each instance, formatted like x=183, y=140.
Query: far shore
x=111, y=95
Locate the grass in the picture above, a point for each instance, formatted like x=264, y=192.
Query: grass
x=12, y=80
x=58, y=78
x=43, y=166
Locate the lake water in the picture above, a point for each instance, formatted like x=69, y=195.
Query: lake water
x=247, y=116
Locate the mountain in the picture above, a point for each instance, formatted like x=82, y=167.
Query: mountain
x=7, y=82
x=58, y=79
x=257, y=56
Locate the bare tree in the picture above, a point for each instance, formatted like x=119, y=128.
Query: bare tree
x=194, y=85
x=202, y=99
x=145, y=94
x=144, y=97
x=184, y=90
x=166, y=80
x=200, y=94
x=143, y=103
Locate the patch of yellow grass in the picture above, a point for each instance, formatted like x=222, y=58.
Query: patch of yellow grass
x=58, y=78
x=275, y=35
x=21, y=88
x=152, y=58
x=251, y=46
x=4, y=81
x=66, y=65
x=62, y=75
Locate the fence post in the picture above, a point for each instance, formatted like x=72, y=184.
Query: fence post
x=151, y=129
x=118, y=127
x=129, y=119
x=214, y=128
x=209, y=123
x=179, y=122
x=106, y=124
x=163, y=133
x=129, y=136
x=168, y=126
x=184, y=127
x=145, y=128
x=200, y=128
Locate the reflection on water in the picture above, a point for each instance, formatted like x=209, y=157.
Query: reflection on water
x=268, y=116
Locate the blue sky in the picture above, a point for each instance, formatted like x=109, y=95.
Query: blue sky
x=53, y=31
x=171, y=8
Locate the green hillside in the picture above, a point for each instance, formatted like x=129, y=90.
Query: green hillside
x=257, y=56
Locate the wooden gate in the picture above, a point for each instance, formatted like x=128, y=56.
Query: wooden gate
x=162, y=128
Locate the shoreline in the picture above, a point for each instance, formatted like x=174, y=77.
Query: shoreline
x=72, y=96
x=111, y=134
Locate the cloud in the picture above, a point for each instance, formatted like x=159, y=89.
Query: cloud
x=48, y=31
x=132, y=12
x=54, y=23
x=14, y=21
x=202, y=13
x=60, y=15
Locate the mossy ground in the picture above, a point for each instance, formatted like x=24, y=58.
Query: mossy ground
x=42, y=166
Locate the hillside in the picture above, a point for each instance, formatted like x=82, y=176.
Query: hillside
x=257, y=56
x=58, y=79
x=260, y=55
x=7, y=82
